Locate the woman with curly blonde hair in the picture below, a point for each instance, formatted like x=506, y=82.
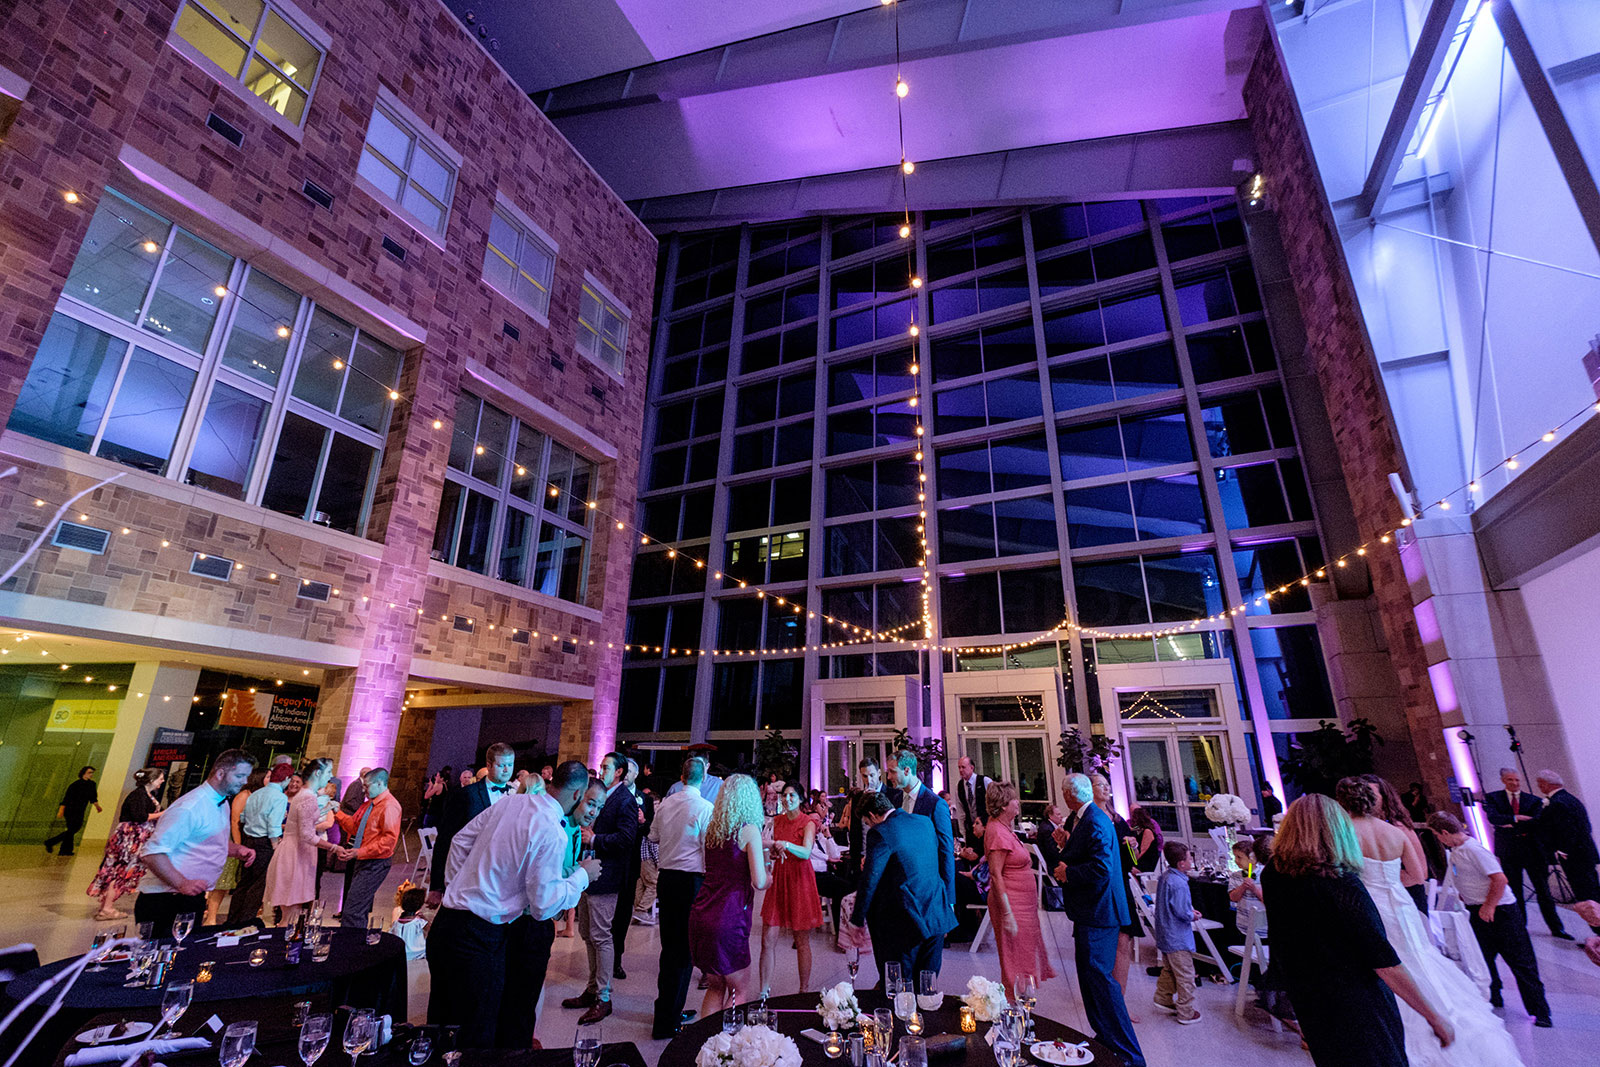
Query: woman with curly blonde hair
x=736, y=866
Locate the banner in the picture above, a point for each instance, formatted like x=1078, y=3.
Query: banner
x=290, y=713
x=240, y=707
x=169, y=746
x=78, y=715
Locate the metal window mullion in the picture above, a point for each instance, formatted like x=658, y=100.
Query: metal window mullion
x=206, y=376
x=277, y=408
x=349, y=369
x=111, y=398
x=155, y=279
x=315, y=496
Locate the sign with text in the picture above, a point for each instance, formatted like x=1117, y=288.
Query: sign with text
x=169, y=746
x=289, y=713
x=242, y=707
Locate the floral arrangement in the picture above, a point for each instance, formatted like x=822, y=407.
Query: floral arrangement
x=1225, y=809
x=839, y=1007
x=753, y=1046
x=986, y=999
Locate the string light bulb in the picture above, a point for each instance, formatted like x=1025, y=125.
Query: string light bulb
x=1549, y=435
x=905, y=231
x=70, y=197
x=907, y=166
x=283, y=331
x=901, y=89
x=151, y=247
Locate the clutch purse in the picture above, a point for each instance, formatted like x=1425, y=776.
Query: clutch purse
x=947, y=1045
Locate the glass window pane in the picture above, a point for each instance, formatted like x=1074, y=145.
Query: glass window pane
x=1182, y=587
x=212, y=42
x=427, y=211
x=1156, y=440
x=899, y=544
x=343, y=500
x=1080, y=384
x=849, y=549
x=294, y=467
x=966, y=533
x=68, y=383
x=733, y=696
x=1099, y=515
x=477, y=521
x=962, y=472
x=514, y=545
x=1294, y=677
x=1065, y=272
x=580, y=488
x=1025, y=526
x=1073, y=330
x=1234, y=426
x=285, y=47
x=575, y=569
x=1031, y=601
x=1014, y=398
x=1218, y=354
x=1206, y=299
x=388, y=138
x=225, y=447
x=144, y=417
x=849, y=489
x=380, y=172
x=464, y=434
x=954, y=302
x=494, y=440
x=277, y=92
x=525, y=476
x=186, y=302
x=1268, y=567
x=448, y=521
x=239, y=16
x=780, y=694
x=636, y=702
x=118, y=257
x=323, y=360
x=1251, y=496
x=1169, y=507
x=1145, y=370
x=259, y=338
x=971, y=605
x=791, y=499
x=1002, y=290
x=1110, y=594
x=958, y=409
x=956, y=357
x=1090, y=451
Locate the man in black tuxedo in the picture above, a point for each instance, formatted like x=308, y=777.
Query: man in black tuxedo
x=871, y=782
x=969, y=806
x=914, y=798
x=903, y=899
x=1518, y=847
x=1565, y=824
x=462, y=805
x=1098, y=908
x=645, y=813
x=615, y=840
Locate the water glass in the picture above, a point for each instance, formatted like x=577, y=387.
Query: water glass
x=258, y=956
x=314, y=1034
x=238, y=1044
x=1013, y=1025
x=140, y=957
x=175, y=1000
x=181, y=927
x=421, y=1048
x=586, y=1049
x=858, y=1049
x=905, y=1004
x=374, y=929
x=732, y=1019
x=322, y=948
x=893, y=981
x=913, y=1052
x=928, y=996
x=97, y=946
x=360, y=1031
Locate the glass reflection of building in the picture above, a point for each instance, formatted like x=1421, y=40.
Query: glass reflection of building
x=1108, y=419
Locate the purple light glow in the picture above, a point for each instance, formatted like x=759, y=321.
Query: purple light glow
x=1428, y=622
x=1411, y=561
x=1467, y=776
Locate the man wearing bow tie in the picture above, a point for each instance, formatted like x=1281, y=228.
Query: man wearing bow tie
x=465, y=805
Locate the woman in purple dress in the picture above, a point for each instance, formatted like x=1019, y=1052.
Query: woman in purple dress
x=736, y=866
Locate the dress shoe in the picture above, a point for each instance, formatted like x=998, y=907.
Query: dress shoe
x=48, y=847
x=618, y=973
x=586, y=999
x=600, y=1010
x=1562, y=935
x=1543, y=1022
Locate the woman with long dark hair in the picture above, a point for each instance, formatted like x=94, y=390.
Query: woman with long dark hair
x=121, y=870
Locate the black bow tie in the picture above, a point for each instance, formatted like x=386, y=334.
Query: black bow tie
x=501, y=788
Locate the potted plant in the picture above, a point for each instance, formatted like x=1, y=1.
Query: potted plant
x=1317, y=760
x=1082, y=753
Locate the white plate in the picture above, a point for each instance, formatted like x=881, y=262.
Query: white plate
x=103, y=1033
x=1061, y=1055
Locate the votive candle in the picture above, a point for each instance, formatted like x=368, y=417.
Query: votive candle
x=969, y=1021
x=914, y=1023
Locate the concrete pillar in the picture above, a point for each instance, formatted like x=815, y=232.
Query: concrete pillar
x=168, y=694
x=579, y=738
x=1363, y=681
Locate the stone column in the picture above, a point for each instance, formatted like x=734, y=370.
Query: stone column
x=408, y=769
x=1362, y=679
x=168, y=695
x=578, y=740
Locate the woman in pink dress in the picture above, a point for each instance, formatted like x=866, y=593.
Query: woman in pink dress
x=793, y=902
x=1013, y=891
x=292, y=874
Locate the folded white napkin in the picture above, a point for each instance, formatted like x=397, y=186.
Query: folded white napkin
x=118, y=1053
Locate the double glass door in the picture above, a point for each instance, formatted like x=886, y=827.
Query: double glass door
x=845, y=753
x=1019, y=758
x=1174, y=772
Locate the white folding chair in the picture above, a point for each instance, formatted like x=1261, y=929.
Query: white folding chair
x=426, y=837
x=1202, y=930
x=1253, y=953
x=1144, y=904
x=983, y=929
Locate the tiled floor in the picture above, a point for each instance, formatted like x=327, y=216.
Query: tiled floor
x=42, y=900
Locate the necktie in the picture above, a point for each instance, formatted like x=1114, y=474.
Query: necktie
x=361, y=827
x=966, y=802
x=1513, y=805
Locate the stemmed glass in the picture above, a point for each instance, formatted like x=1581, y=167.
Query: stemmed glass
x=96, y=949
x=586, y=1049
x=1025, y=994
x=852, y=962
x=360, y=1031
x=181, y=927
x=238, y=1044
x=314, y=1036
x=175, y=1001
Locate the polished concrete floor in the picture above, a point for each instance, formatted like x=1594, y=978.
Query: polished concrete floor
x=42, y=901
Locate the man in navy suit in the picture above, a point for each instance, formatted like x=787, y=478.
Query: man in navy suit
x=1566, y=827
x=902, y=898
x=1098, y=908
x=914, y=798
x=464, y=805
x=1517, y=845
x=615, y=840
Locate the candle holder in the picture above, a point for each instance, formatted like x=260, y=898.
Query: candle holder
x=204, y=973
x=833, y=1044
x=969, y=1020
x=914, y=1023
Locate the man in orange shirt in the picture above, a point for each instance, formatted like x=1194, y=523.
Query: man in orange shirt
x=373, y=832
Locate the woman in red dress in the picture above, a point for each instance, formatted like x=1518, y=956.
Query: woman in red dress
x=1013, y=891
x=793, y=902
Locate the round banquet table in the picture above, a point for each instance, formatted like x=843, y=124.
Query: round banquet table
x=355, y=973
x=798, y=1011
x=1210, y=897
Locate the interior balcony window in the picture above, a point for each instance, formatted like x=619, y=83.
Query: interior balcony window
x=257, y=43
x=408, y=165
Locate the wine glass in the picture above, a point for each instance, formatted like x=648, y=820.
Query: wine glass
x=360, y=1031
x=140, y=957
x=892, y=980
x=421, y=1048
x=181, y=927
x=175, y=1001
x=1025, y=994
x=852, y=962
x=586, y=1049
x=238, y=1044
x=97, y=946
x=314, y=1034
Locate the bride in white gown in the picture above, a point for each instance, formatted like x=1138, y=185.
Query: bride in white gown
x=1481, y=1038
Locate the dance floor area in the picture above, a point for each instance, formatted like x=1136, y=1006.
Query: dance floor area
x=42, y=901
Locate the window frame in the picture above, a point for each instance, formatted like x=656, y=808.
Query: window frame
x=528, y=233
x=421, y=135
x=608, y=303
x=297, y=20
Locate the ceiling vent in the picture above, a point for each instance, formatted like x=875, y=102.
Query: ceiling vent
x=208, y=566
x=464, y=624
x=310, y=590
x=569, y=647
x=225, y=129
x=519, y=637
x=83, y=538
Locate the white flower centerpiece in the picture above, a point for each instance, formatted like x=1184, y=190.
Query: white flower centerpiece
x=753, y=1046
x=839, y=1008
x=986, y=999
x=1230, y=813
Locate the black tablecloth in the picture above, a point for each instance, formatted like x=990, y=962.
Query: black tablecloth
x=1210, y=897
x=277, y=1042
x=368, y=976
x=798, y=1012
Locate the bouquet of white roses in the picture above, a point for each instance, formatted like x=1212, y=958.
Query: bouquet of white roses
x=753, y=1046
x=1225, y=809
x=839, y=1007
x=986, y=999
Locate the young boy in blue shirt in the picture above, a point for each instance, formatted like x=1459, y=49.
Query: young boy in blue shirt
x=1175, y=917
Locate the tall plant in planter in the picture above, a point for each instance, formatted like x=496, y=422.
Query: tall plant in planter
x=927, y=752
x=1317, y=760
x=775, y=755
x=1081, y=753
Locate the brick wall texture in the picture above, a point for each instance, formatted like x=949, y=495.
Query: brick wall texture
x=105, y=81
x=1347, y=370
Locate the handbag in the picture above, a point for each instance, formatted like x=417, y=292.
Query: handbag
x=1451, y=928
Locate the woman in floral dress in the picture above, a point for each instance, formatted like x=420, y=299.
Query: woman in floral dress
x=121, y=870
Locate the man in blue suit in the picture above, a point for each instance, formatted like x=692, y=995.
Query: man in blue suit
x=914, y=798
x=902, y=897
x=1098, y=908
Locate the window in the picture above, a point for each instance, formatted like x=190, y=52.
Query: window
x=1011, y=602
x=779, y=557
x=602, y=328
x=1123, y=375
x=1218, y=295
x=1132, y=442
x=515, y=504
x=157, y=331
x=519, y=261
x=776, y=251
x=989, y=349
x=995, y=466
x=706, y=265
x=409, y=166
x=756, y=505
x=257, y=43
x=1267, y=567
x=855, y=379
x=850, y=489
x=895, y=543
x=989, y=403
x=1139, y=591
x=1193, y=228
x=734, y=694
x=1003, y=528
x=886, y=424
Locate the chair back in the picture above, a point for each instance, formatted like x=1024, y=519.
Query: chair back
x=1252, y=915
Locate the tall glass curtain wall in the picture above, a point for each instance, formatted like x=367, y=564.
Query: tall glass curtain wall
x=1105, y=416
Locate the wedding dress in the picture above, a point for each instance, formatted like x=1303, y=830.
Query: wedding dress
x=1481, y=1039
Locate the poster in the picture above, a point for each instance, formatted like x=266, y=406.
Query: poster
x=78, y=715
x=169, y=747
x=242, y=707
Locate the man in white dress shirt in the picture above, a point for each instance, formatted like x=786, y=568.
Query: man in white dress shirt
x=191, y=843
x=505, y=874
x=680, y=831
